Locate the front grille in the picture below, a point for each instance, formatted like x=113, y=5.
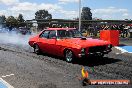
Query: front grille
x=97, y=49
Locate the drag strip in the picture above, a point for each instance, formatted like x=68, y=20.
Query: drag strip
x=45, y=71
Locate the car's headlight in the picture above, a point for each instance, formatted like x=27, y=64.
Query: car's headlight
x=82, y=50
x=109, y=46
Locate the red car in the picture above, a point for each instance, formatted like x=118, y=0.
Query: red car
x=68, y=43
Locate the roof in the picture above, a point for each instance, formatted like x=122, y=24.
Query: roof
x=60, y=28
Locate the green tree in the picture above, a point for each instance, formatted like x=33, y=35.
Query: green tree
x=20, y=18
x=42, y=15
x=2, y=20
x=11, y=21
x=21, y=21
x=86, y=13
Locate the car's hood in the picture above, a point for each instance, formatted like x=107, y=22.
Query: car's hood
x=87, y=42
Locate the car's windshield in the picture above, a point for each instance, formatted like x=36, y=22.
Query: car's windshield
x=69, y=33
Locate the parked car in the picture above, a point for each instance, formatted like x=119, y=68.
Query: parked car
x=68, y=43
x=24, y=31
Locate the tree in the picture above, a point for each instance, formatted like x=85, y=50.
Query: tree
x=20, y=18
x=2, y=20
x=86, y=13
x=42, y=15
x=11, y=22
x=21, y=21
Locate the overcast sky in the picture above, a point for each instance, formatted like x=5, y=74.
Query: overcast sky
x=68, y=9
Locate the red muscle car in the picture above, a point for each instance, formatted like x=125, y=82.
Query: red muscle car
x=68, y=43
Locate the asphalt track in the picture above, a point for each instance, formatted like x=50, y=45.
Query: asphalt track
x=21, y=68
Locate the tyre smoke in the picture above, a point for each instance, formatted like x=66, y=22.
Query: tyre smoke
x=14, y=38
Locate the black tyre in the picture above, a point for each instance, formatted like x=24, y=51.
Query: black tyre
x=69, y=56
x=37, y=49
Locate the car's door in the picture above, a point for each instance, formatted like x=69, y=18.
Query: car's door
x=43, y=40
x=52, y=42
x=60, y=42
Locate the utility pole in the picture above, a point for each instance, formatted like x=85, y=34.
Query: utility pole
x=79, y=15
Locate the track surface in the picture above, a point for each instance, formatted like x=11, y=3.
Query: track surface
x=45, y=71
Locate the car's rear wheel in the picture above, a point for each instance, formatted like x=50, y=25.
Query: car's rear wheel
x=69, y=56
x=37, y=49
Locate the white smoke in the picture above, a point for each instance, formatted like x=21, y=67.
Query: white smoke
x=13, y=37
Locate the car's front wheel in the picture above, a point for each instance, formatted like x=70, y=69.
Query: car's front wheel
x=69, y=56
x=36, y=49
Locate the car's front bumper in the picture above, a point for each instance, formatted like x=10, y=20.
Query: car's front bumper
x=94, y=53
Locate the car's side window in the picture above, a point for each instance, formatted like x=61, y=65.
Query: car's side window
x=45, y=34
x=61, y=33
x=52, y=34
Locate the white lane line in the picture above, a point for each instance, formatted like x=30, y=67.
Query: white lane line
x=7, y=75
x=129, y=52
x=5, y=83
x=118, y=53
x=122, y=50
